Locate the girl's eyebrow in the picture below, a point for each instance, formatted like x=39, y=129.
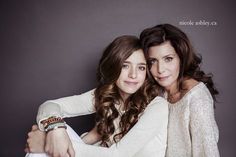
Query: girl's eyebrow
x=142, y=63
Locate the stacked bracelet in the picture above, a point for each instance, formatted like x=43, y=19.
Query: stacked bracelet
x=55, y=126
x=53, y=123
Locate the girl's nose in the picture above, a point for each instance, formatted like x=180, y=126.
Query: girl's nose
x=133, y=73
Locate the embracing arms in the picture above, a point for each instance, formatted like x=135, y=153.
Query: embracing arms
x=151, y=124
x=71, y=106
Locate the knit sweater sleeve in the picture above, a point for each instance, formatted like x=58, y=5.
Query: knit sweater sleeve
x=203, y=127
x=153, y=121
x=71, y=106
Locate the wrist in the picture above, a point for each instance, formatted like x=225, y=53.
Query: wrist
x=53, y=123
x=55, y=126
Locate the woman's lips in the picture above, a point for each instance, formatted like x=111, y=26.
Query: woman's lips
x=162, y=78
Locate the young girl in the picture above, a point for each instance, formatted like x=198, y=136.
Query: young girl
x=192, y=129
x=125, y=124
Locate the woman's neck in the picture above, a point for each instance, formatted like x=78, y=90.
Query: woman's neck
x=173, y=89
x=173, y=93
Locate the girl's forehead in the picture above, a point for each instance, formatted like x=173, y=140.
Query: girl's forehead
x=136, y=57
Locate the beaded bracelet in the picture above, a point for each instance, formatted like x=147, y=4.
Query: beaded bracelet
x=52, y=120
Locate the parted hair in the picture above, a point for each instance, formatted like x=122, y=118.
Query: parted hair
x=107, y=93
x=189, y=61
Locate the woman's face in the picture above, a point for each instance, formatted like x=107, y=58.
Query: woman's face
x=133, y=74
x=165, y=65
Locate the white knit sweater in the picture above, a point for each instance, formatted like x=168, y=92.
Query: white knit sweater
x=147, y=138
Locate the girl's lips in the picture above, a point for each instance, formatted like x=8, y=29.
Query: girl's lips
x=131, y=83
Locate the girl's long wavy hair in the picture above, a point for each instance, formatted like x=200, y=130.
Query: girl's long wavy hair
x=189, y=61
x=107, y=93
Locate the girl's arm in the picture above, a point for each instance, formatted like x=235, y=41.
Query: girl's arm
x=67, y=107
x=57, y=141
x=203, y=127
x=151, y=125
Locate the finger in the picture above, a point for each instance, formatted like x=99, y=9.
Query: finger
x=29, y=134
x=34, y=127
x=71, y=151
x=48, y=150
x=26, y=150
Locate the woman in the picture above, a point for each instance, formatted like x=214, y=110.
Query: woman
x=192, y=130
x=124, y=123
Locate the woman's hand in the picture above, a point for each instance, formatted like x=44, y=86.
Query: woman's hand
x=91, y=137
x=35, y=141
x=58, y=143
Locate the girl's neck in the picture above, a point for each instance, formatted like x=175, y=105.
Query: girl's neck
x=124, y=96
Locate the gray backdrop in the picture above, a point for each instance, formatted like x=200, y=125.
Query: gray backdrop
x=50, y=49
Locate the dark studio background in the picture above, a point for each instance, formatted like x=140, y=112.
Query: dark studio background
x=50, y=49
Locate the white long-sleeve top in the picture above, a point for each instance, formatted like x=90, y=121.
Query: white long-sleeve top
x=147, y=138
x=192, y=129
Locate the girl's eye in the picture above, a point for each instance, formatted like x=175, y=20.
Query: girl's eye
x=168, y=59
x=125, y=66
x=142, y=68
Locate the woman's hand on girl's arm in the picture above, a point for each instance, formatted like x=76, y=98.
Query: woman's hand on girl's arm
x=91, y=137
x=35, y=141
x=58, y=143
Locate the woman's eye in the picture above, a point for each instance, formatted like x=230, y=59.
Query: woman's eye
x=152, y=61
x=168, y=59
x=125, y=66
x=142, y=68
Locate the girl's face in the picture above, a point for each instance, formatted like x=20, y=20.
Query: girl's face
x=165, y=65
x=133, y=74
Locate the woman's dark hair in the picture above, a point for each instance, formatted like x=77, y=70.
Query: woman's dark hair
x=189, y=60
x=107, y=93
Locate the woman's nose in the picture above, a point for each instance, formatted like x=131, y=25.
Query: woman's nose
x=160, y=68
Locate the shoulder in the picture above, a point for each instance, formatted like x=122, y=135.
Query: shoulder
x=188, y=84
x=199, y=98
x=196, y=90
x=156, y=114
x=90, y=92
x=158, y=104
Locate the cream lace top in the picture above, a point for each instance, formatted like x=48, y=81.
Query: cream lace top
x=192, y=129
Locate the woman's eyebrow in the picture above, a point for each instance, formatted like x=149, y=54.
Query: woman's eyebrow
x=168, y=55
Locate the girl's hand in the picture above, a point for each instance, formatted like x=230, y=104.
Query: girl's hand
x=35, y=141
x=58, y=143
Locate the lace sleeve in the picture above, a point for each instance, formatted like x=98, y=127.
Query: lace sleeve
x=203, y=127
